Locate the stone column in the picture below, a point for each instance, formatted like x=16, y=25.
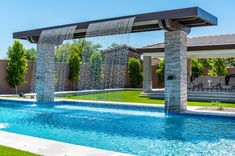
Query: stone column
x=147, y=79
x=189, y=67
x=45, y=73
x=175, y=71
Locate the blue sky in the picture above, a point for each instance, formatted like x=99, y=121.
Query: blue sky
x=18, y=15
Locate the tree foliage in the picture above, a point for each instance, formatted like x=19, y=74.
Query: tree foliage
x=197, y=68
x=114, y=44
x=62, y=52
x=74, y=65
x=161, y=71
x=218, y=67
x=96, y=67
x=17, y=64
x=230, y=62
x=134, y=72
x=205, y=62
x=86, y=48
x=31, y=54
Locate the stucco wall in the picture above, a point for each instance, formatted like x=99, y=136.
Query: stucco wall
x=5, y=88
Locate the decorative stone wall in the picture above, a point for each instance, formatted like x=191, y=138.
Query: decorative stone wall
x=175, y=71
x=45, y=73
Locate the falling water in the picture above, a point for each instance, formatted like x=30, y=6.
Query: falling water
x=168, y=95
x=45, y=66
x=114, y=59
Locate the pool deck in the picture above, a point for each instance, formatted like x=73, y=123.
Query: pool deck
x=49, y=147
x=55, y=148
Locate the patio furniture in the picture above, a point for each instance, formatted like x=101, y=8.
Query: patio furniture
x=195, y=84
x=229, y=87
x=210, y=83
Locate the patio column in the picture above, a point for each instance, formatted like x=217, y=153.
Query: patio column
x=147, y=79
x=189, y=67
x=45, y=73
x=175, y=71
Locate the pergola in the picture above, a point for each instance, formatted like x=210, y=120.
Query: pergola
x=178, y=19
x=217, y=46
x=177, y=24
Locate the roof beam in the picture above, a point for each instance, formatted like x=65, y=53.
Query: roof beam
x=195, y=17
x=222, y=53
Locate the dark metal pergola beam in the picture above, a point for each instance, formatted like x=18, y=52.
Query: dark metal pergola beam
x=187, y=18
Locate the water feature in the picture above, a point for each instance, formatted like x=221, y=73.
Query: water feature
x=106, y=68
x=45, y=66
x=168, y=91
x=168, y=95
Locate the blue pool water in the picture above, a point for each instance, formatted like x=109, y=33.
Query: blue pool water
x=136, y=130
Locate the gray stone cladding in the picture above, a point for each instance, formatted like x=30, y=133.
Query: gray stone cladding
x=175, y=71
x=45, y=73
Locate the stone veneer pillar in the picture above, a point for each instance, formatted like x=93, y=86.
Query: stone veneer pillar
x=147, y=77
x=175, y=71
x=45, y=73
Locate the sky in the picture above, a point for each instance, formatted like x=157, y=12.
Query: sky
x=19, y=15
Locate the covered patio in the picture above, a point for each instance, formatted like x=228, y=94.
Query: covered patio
x=217, y=46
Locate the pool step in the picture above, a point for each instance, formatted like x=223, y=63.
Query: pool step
x=200, y=96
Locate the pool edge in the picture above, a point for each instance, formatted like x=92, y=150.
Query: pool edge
x=191, y=110
x=50, y=147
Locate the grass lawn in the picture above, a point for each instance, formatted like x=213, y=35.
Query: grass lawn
x=6, y=151
x=134, y=96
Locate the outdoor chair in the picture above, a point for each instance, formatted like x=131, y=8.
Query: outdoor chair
x=229, y=87
x=210, y=83
x=195, y=84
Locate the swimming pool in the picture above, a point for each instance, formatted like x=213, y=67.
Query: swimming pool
x=129, y=129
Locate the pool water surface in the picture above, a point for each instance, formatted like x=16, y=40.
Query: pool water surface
x=143, y=131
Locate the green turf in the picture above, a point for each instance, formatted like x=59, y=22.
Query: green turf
x=134, y=96
x=6, y=151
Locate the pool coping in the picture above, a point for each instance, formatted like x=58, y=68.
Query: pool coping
x=50, y=147
x=191, y=110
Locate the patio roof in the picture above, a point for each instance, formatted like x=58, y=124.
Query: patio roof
x=199, y=47
x=180, y=19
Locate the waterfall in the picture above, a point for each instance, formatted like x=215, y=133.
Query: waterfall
x=45, y=65
x=168, y=95
x=113, y=60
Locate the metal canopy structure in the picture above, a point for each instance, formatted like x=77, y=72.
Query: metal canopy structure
x=179, y=19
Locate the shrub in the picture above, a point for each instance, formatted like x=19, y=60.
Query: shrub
x=218, y=67
x=74, y=67
x=17, y=64
x=134, y=72
x=197, y=68
x=161, y=71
